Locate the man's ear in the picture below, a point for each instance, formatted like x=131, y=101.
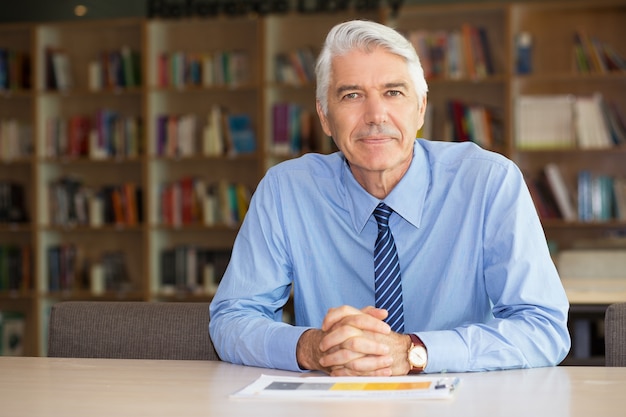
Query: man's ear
x=423, y=105
x=421, y=112
x=323, y=118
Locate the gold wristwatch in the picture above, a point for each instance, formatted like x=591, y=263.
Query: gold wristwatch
x=417, y=355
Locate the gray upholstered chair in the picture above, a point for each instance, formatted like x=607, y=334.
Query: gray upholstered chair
x=130, y=330
x=615, y=335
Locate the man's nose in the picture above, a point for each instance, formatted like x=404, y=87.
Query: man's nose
x=375, y=110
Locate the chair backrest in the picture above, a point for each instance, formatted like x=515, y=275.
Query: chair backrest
x=130, y=330
x=615, y=335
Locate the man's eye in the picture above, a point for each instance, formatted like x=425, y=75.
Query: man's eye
x=394, y=93
x=351, y=96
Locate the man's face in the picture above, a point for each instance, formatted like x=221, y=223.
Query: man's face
x=374, y=112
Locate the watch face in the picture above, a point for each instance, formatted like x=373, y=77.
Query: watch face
x=417, y=356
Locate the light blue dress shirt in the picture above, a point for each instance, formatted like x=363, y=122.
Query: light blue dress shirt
x=480, y=288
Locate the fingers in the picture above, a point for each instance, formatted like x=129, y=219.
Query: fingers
x=356, y=342
x=350, y=359
x=368, y=366
x=377, y=313
x=351, y=337
x=369, y=318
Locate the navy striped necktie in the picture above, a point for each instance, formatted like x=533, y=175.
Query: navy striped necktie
x=387, y=282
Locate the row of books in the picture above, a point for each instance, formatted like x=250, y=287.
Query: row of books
x=593, y=198
x=473, y=122
x=295, y=67
x=224, y=133
x=107, y=134
x=69, y=270
x=293, y=129
x=206, y=69
x=15, y=70
x=191, y=269
x=16, y=268
x=192, y=200
x=456, y=54
x=600, y=197
x=16, y=139
x=71, y=203
x=117, y=68
x=591, y=55
x=13, y=202
x=12, y=333
x=568, y=121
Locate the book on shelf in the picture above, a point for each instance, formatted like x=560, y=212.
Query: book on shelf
x=476, y=51
x=192, y=200
x=592, y=129
x=70, y=202
x=15, y=70
x=191, y=269
x=545, y=121
x=106, y=271
x=213, y=132
x=591, y=55
x=103, y=135
x=280, y=128
x=619, y=191
x=293, y=130
x=462, y=52
x=12, y=333
x=16, y=268
x=131, y=66
x=115, y=271
x=59, y=74
x=240, y=134
x=115, y=68
x=214, y=68
x=542, y=197
x=523, y=53
x=63, y=267
x=177, y=135
x=4, y=69
x=564, y=121
x=115, y=135
x=595, y=197
x=295, y=67
x=561, y=192
x=17, y=139
x=171, y=204
x=615, y=122
x=471, y=122
x=13, y=202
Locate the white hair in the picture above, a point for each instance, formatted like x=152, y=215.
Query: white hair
x=366, y=36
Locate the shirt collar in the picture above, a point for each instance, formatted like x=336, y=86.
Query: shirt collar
x=406, y=199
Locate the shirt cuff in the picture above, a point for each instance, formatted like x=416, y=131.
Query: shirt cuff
x=283, y=343
x=447, y=351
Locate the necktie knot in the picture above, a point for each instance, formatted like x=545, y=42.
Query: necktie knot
x=382, y=213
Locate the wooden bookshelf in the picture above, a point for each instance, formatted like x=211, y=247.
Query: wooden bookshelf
x=218, y=45
x=17, y=166
x=555, y=72
x=552, y=27
x=157, y=44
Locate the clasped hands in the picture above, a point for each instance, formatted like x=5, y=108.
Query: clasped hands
x=354, y=342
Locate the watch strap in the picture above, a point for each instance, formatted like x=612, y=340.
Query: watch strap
x=416, y=341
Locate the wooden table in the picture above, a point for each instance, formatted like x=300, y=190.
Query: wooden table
x=110, y=387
